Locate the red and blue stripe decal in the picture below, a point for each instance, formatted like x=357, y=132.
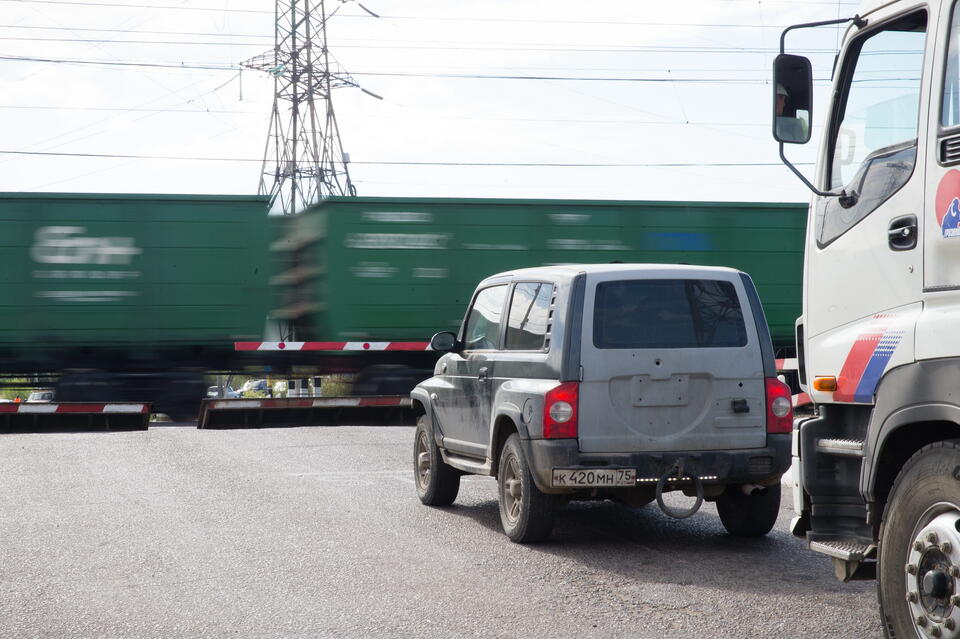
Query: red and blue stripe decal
x=866, y=361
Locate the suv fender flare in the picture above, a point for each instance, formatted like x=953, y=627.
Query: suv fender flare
x=506, y=417
x=512, y=412
x=422, y=397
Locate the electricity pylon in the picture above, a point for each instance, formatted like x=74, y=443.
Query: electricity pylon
x=304, y=159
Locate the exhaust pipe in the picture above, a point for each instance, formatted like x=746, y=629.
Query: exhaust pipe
x=753, y=490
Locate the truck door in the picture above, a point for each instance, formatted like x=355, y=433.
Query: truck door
x=941, y=224
x=864, y=262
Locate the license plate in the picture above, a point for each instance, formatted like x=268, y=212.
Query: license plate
x=594, y=477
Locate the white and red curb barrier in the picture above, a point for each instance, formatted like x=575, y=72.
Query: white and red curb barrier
x=33, y=417
x=313, y=402
x=72, y=407
x=331, y=346
x=306, y=411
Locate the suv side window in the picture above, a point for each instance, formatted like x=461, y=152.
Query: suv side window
x=482, y=330
x=529, y=318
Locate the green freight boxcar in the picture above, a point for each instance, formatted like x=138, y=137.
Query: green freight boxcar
x=129, y=283
x=404, y=268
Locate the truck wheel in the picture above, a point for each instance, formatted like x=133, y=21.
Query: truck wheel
x=749, y=515
x=437, y=483
x=525, y=513
x=918, y=580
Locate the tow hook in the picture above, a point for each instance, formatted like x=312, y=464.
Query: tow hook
x=677, y=468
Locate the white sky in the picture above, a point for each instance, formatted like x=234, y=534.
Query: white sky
x=73, y=108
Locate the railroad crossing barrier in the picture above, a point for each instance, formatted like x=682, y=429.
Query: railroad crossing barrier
x=28, y=417
x=306, y=411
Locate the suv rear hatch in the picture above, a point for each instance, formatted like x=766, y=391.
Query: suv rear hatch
x=671, y=362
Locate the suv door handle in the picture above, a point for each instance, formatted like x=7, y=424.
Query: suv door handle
x=902, y=233
x=482, y=375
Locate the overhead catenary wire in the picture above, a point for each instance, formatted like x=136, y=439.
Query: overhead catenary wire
x=131, y=37
x=179, y=158
x=467, y=76
x=585, y=20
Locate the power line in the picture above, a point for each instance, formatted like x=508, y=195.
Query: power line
x=106, y=30
x=47, y=107
x=585, y=21
x=139, y=6
x=112, y=41
x=363, y=43
x=467, y=76
x=559, y=78
x=120, y=63
x=441, y=18
x=422, y=47
x=123, y=156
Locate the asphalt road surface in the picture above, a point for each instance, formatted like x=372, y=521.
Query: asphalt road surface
x=317, y=532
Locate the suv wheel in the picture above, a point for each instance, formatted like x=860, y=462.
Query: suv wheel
x=525, y=513
x=749, y=516
x=437, y=483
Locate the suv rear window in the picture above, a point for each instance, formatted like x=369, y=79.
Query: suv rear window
x=667, y=314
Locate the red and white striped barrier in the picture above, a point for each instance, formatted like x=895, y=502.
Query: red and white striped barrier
x=787, y=364
x=331, y=346
x=790, y=364
x=61, y=408
x=27, y=417
x=306, y=411
x=312, y=402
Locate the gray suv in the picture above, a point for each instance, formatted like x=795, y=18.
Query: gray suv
x=614, y=381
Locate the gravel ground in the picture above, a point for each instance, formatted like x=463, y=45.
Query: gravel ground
x=317, y=532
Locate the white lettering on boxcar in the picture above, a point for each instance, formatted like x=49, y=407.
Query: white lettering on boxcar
x=398, y=216
x=419, y=241
x=67, y=245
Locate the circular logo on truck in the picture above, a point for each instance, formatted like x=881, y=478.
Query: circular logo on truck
x=948, y=204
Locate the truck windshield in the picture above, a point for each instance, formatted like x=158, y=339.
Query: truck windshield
x=667, y=314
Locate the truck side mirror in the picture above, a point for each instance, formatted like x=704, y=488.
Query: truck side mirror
x=444, y=342
x=792, y=99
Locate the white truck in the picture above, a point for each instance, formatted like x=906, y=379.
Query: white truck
x=878, y=467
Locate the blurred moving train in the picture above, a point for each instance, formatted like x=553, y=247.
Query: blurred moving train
x=136, y=297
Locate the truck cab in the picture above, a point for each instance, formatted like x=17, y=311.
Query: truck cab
x=877, y=481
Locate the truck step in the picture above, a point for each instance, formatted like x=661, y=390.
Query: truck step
x=842, y=447
x=844, y=550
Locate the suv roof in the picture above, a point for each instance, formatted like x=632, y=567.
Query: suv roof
x=570, y=270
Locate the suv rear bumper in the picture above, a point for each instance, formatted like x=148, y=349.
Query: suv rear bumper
x=751, y=465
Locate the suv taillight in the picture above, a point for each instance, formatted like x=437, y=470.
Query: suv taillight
x=560, y=411
x=779, y=406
